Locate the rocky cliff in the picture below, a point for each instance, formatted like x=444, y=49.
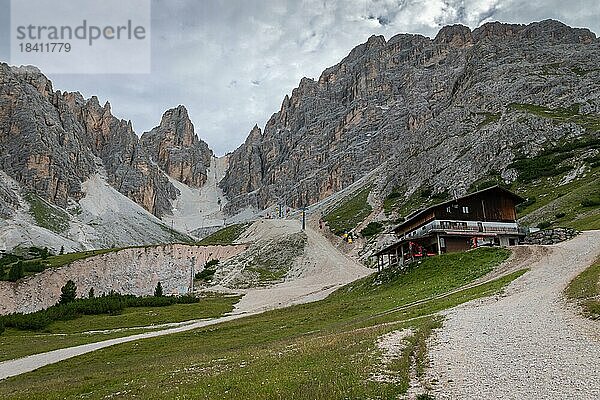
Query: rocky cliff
x=51, y=142
x=174, y=146
x=440, y=112
x=42, y=146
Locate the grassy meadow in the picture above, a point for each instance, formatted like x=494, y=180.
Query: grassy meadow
x=321, y=350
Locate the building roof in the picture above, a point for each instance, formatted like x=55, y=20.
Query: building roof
x=416, y=214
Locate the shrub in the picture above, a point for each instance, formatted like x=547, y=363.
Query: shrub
x=560, y=215
x=91, y=293
x=1, y=327
x=206, y=274
x=211, y=263
x=590, y=202
x=544, y=224
x=68, y=293
x=372, y=229
x=111, y=304
x=16, y=271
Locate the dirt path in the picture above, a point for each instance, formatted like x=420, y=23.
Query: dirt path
x=323, y=269
x=527, y=344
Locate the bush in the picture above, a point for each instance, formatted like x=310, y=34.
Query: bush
x=560, y=215
x=2, y=327
x=16, y=271
x=211, y=263
x=372, y=229
x=112, y=304
x=206, y=274
x=590, y=202
x=544, y=224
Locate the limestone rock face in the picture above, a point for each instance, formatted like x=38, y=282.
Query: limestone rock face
x=437, y=112
x=174, y=146
x=40, y=147
x=127, y=163
x=51, y=142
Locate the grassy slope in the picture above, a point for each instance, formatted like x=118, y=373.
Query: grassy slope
x=71, y=333
x=585, y=290
x=322, y=350
x=47, y=215
x=224, y=236
x=350, y=213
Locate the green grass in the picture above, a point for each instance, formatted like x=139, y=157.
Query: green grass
x=585, y=290
x=321, y=350
x=421, y=198
x=15, y=343
x=349, y=214
x=208, y=307
x=561, y=115
x=60, y=334
x=225, y=236
x=372, y=229
x=488, y=118
x=561, y=205
x=46, y=215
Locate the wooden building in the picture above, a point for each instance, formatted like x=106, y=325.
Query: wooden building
x=484, y=218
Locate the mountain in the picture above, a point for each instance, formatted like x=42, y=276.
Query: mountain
x=412, y=119
x=439, y=114
x=60, y=154
x=174, y=146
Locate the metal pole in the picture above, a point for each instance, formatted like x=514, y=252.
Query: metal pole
x=303, y=218
x=193, y=265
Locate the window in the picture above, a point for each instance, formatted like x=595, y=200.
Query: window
x=448, y=210
x=465, y=210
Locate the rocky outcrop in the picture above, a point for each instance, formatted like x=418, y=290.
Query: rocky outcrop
x=174, y=146
x=550, y=236
x=129, y=271
x=129, y=167
x=51, y=142
x=439, y=112
x=40, y=147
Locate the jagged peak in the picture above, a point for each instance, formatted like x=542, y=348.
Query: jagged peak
x=375, y=41
x=454, y=35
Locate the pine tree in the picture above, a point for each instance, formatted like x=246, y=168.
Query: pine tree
x=16, y=271
x=68, y=292
x=158, y=292
x=91, y=293
x=62, y=250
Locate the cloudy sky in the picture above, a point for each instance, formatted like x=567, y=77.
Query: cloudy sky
x=231, y=62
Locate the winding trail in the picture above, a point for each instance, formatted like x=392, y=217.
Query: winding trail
x=325, y=269
x=528, y=344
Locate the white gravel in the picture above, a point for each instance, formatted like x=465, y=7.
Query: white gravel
x=527, y=344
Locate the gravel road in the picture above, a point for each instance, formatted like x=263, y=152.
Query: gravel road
x=527, y=344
